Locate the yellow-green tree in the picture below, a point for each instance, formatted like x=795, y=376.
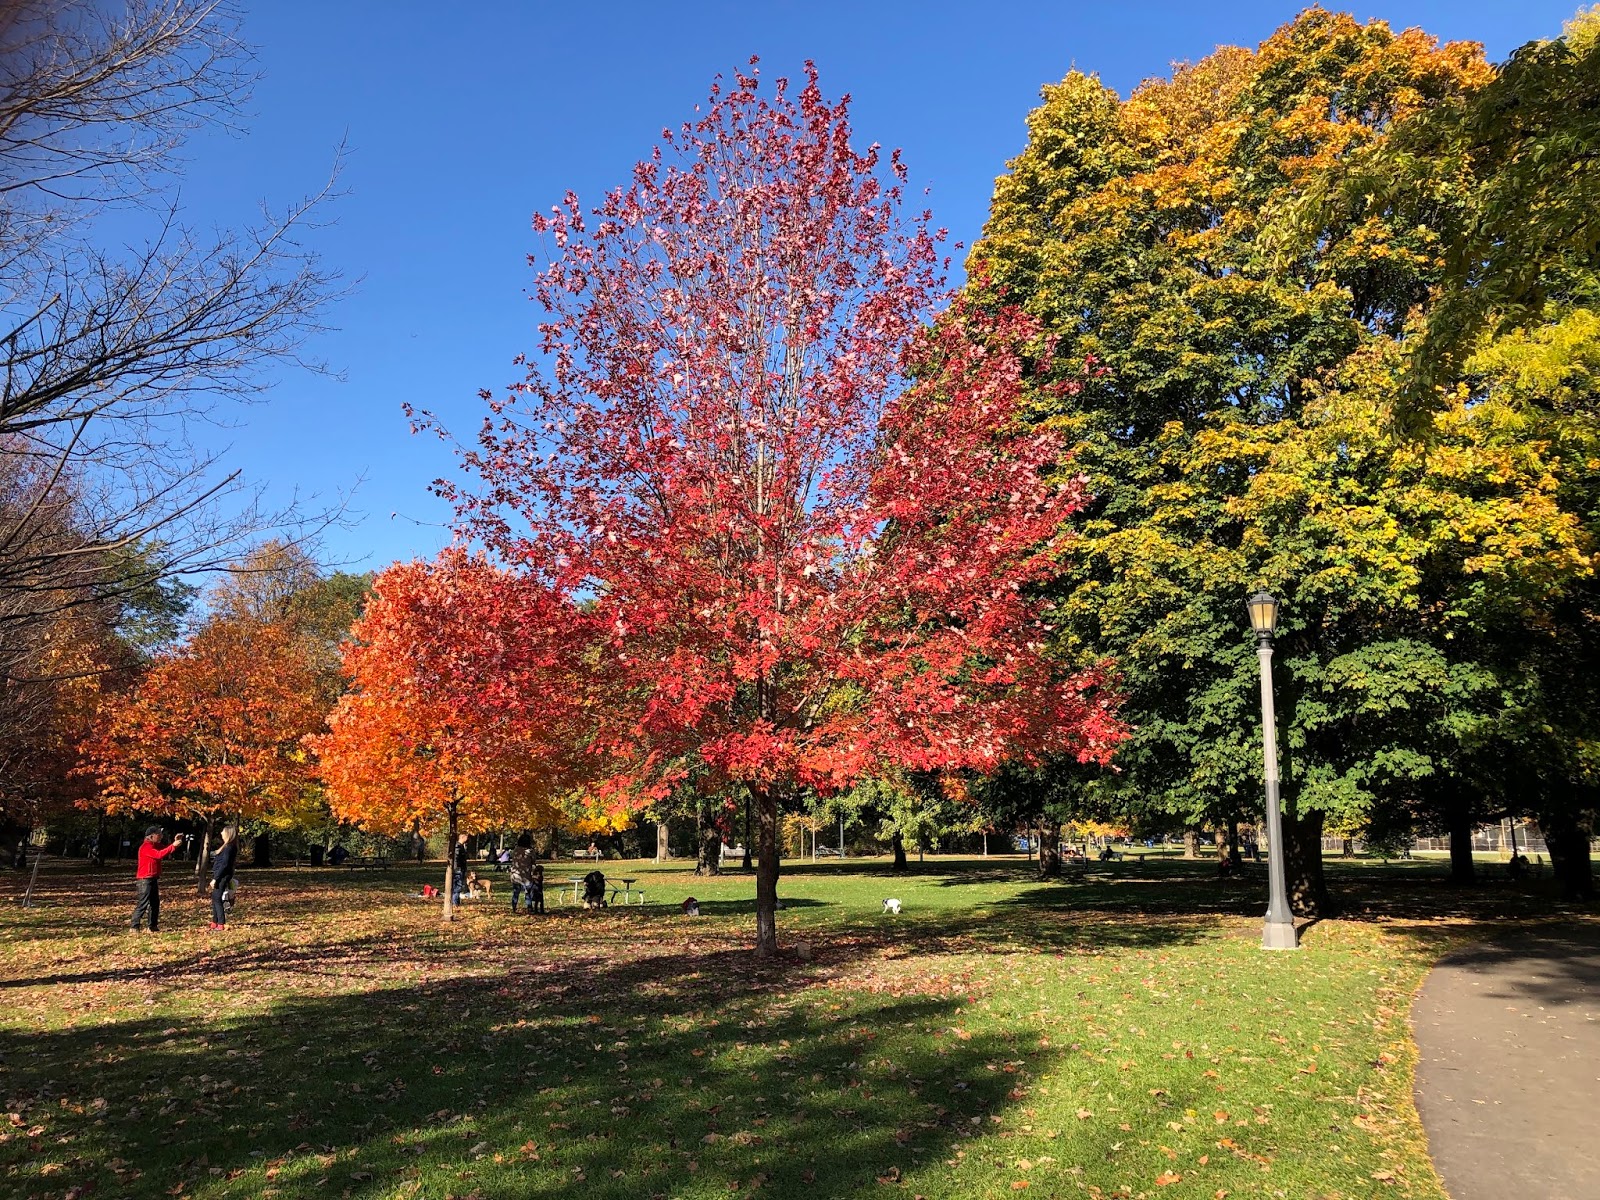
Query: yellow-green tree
x=1232, y=403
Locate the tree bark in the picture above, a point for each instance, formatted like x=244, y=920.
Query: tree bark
x=709, y=861
x=450, y=865
x=1462, y=870
x=663, y=842
x=747, y=832
x=1567, y=834
x=1049, y=853
x=766, y=803
x=1191, y=843
x=1235, y=859
x=897, y=845
x=1302, y=851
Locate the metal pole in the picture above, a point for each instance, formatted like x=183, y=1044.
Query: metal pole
x=1278, y=929
x=27, y=899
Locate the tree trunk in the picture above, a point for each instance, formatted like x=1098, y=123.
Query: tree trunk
x=1347, y=848
x=1462, y=870
x=1235, y=859
x=261, y=850
x=201, y=859
x=450, y=865
x=663, y=842
x=99, y=855
x=766, y=874
x=1302, y=857
x=986, y=843
x=1567, y=834
x=898, y=846
x=1191, y=843
x=747, y=832
x=1049, y=853
x=709, y=861
x=1221, y=838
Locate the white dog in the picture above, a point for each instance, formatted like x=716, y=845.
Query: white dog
x=892, y=906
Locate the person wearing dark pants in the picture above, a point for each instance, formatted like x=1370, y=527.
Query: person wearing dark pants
x=458, y=873
x=222, y=876
x=147, y=878
x=521, y=870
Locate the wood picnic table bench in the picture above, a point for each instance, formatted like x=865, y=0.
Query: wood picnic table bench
x=363, y=861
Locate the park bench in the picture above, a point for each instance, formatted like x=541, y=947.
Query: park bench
x=363, y=861
x=596, y=855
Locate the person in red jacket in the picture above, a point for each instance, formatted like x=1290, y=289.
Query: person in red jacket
x=147, y=879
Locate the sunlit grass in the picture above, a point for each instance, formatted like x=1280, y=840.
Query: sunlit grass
x=1116, y=1035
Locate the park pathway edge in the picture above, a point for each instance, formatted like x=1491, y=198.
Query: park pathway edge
x=1508, y=1070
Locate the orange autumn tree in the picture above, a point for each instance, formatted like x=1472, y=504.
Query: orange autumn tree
x=456, y=714
x=213, y=729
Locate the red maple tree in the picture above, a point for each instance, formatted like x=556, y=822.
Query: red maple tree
x=452, y=716
x=804, y=522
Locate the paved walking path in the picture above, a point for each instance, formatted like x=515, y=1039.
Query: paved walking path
x=1509, y=1080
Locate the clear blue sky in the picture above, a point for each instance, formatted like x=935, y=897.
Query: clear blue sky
x=463, y=119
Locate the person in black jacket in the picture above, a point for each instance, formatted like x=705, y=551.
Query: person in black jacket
x=458, y=874
x=222, y=867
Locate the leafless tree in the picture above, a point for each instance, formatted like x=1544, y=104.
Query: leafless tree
x=110, y=354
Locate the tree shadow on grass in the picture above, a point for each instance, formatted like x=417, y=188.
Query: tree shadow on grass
x=608, y=1079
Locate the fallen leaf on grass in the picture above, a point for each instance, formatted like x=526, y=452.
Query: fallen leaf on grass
x=892, y=1175
x=1084, y=1114
x=1168, y=1178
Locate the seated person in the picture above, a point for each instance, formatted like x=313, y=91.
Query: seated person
x=594, y=890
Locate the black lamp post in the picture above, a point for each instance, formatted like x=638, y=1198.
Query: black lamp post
x=1278, y=931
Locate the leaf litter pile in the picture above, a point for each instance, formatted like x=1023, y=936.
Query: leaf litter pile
x=1120, y=1037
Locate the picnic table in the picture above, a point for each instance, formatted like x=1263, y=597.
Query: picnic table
x=618, y=886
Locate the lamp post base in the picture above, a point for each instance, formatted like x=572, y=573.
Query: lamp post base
x=1279, y=935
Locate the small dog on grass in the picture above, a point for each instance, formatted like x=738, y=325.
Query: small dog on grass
x=691, y=907
x=479, y=888
x=892, y=906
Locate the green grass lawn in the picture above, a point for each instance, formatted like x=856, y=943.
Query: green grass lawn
x=1115, y=1036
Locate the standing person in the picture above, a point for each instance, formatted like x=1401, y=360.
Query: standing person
x=458, y=875
x=147, y=878
x=521, y=870
x=222, y=876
